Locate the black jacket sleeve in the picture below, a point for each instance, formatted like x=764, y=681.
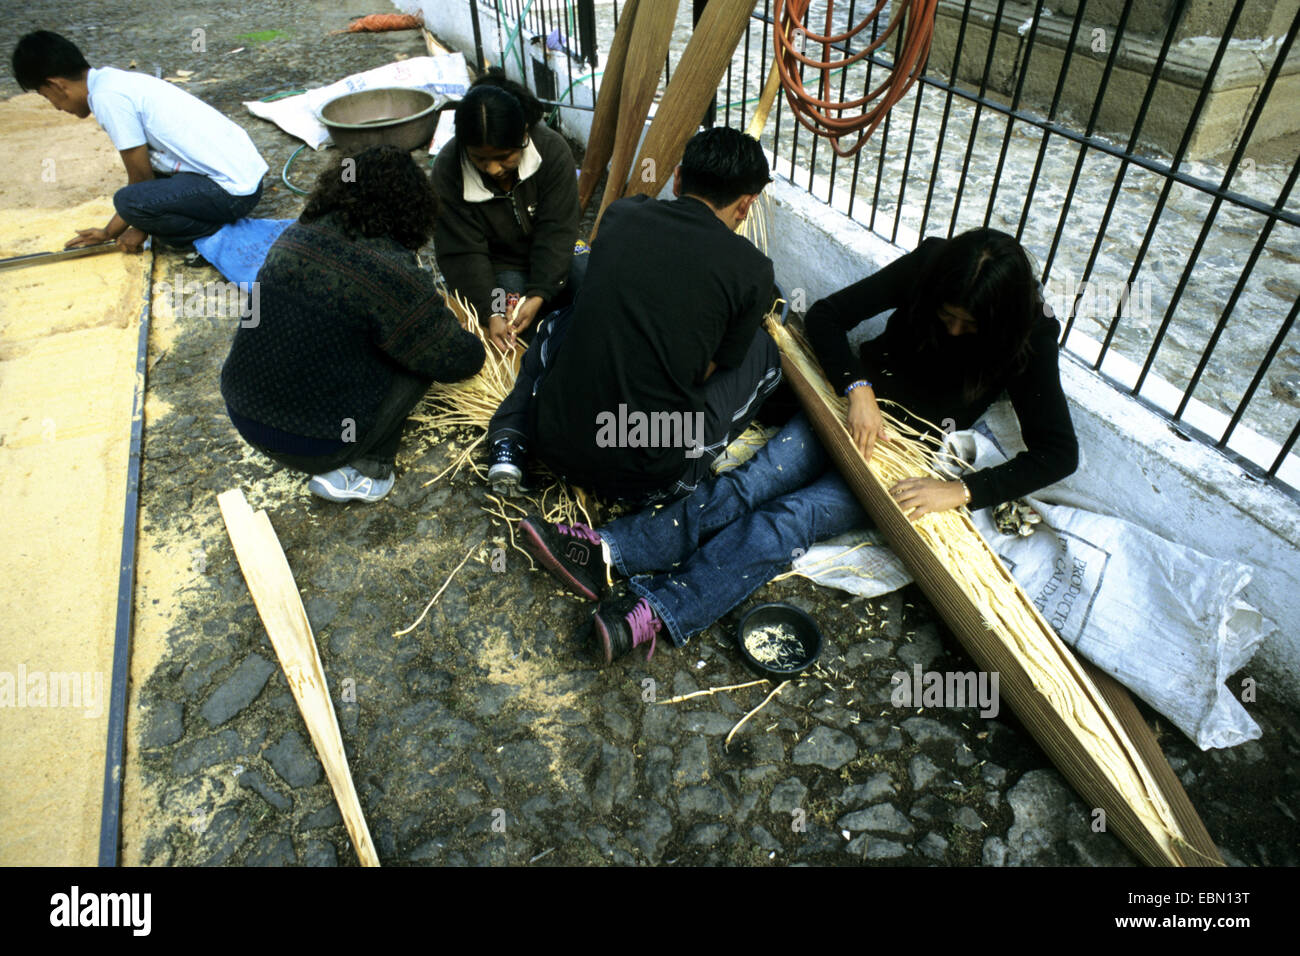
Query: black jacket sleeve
x=1052, y=450
x=426, y=338
x=555, y=223
x=460, y=245
x=829, y=320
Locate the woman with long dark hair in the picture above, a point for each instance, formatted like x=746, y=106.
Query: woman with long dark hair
x=509, y=194
x=968, y=323
x=348, y=331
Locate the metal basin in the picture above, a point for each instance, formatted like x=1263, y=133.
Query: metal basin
x=390, y=116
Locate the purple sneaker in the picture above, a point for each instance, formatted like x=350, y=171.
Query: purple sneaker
x=619, y=626
x=572, y=553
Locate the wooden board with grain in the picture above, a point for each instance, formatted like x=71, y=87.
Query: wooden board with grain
x=270, y=580
x=648, y=46
x=693, y=86
x=604, y=121
x=1075, y=717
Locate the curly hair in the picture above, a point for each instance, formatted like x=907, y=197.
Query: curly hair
x=378, y=191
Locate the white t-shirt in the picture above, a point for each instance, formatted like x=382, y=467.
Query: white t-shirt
x=184, y=134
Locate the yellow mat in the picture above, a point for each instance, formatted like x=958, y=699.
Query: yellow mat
x=68, y=341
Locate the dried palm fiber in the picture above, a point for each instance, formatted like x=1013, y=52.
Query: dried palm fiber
x=757, y=224
x=648, y=46
x=604, y=121
x=1106, y=751
x=472, y=403
x=693, y=86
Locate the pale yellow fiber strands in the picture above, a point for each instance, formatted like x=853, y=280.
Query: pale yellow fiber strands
x=1007, y=610
x=472, y=403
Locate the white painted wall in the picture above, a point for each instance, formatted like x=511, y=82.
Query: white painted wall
x=1133, y=465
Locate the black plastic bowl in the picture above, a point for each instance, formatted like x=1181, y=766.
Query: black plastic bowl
x=804, y=628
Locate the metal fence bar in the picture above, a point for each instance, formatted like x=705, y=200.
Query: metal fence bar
x=943, y=125
x=1021, y=69
x=1118, y=185
x=1214, y=211
x=1268, y=226
x=1286, y=450
x=975, y=120
x=1083, y=150
x=1051, y=116
x=1249, y=394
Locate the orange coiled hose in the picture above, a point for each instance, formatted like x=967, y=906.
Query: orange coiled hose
x=793, y=38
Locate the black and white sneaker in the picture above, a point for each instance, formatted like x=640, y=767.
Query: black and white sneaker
x=506, y=466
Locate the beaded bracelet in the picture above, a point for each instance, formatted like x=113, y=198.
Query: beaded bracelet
x=965, y=489
x=860, y=383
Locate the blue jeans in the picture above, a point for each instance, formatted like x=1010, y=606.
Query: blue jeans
x=182, y=207
x=782, y=501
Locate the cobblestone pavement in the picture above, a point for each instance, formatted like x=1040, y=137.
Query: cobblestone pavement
x=487, y=735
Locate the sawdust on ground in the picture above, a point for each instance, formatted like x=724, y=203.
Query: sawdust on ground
x=54, y=160
x=68, y=335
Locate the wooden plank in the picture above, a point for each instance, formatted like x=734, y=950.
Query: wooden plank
x=1067, y=738
x=270, y=581
x=693, y=86
x=1121, y=702
x=651, y=34
x=600, y=144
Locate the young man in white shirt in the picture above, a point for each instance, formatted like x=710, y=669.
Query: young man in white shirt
x=190, y=170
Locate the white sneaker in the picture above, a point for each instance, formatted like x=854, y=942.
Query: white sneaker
x=348, y=484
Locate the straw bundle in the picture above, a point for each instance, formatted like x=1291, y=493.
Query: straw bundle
x=1110, y=759
x=470, y=404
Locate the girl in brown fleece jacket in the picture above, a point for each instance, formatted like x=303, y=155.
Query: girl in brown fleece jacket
x=508, y=194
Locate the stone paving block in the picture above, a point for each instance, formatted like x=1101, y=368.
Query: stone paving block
x=825, y=747
x=882, y=818
x=293, y=758
x=164, y=724
x=238, y=690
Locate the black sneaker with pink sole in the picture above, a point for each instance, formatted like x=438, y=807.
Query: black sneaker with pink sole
x=620, y=625
x=572, y=553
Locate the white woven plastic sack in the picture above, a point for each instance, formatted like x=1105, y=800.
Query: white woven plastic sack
x=1166, y=621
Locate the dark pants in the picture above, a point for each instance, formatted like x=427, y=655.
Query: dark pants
x=732, y=397
x=375, y=452
x=182, y=207
x=514, y=281
x=514, y=416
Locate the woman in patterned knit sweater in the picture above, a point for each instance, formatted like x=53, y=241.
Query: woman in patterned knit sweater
x=349, y=331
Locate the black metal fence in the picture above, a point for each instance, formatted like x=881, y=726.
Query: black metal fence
x=1170, y=255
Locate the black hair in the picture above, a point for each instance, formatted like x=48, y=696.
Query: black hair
x=496, y=112
x=989, y=274
x=378, y=191
x=42, y=54
x=722, y=164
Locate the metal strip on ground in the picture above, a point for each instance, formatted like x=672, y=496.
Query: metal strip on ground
x=111, y=814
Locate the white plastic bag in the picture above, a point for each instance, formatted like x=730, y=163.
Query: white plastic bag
x=1167, y=622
